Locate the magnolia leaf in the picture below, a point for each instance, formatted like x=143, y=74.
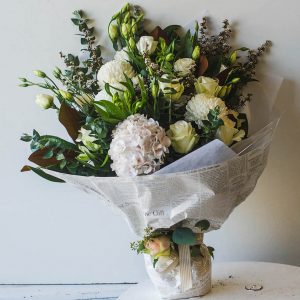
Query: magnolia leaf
x=214, y=65
x=184, y=236
x=157, y=33
x=38, y=158
x=203, y=225
x=41, y=173
x=203, y=65
x=71, y=119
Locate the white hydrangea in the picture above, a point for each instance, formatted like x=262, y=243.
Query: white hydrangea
x=113, y=73
x=138, y=146
x=198, y=107
x=184, y=66
x=122, y=55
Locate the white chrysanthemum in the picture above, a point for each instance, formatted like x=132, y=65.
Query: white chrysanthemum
x=113, y=73
x=122, y=55
x=138, y=146
x=198, y=107
x=184, y=66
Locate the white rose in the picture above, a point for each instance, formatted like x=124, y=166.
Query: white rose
x=172, y=90
x=146, y=44
x=44, y=101
x=207, y=85
x=122, y=55
x=229, y=134
x=184, y=66
x=197, y=109
x=113, y=73
x=183, y=136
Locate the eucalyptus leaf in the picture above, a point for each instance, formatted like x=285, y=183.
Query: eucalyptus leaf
x=184, y=236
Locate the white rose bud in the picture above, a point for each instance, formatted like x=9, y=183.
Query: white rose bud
x=207, y=85
x=183, y=136
x=146, y=44
x=172, y=90
x=44, y=101
x=184, y=66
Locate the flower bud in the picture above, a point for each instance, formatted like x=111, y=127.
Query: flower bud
x=23, y=85
x=22, y=79
x=132, y=43
x=56, y=72
x=66, y=95
x=44, y=101
x=39, y=73
x=125, y=29
x=170, y=57
x=127, y=17
x=113, y=31
x=196, y=53
x=125, y=8
x=233, y=57
x=134, y=26
x=222, y=92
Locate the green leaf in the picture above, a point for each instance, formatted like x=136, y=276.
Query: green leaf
x=48, y=154
x=184, y=236
x=26, y=137
x=83, y=41
x=41, y=173
x=203, y=225
x=75, y=21
x=113, y=111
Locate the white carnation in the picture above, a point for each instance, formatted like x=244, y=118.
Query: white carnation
x=113, y=73
x=122, y=55
x=184, y=66
x=197, y=109
x=138, y=146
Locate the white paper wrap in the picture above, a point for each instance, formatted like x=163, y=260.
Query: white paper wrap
x=205, y=184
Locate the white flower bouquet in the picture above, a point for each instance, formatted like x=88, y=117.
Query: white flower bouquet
x=161, y=134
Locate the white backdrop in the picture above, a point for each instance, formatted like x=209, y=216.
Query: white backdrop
x=52, y=233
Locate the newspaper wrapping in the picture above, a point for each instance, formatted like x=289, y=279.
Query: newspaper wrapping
x=206, y=184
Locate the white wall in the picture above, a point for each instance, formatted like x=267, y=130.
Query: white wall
x=52, y=233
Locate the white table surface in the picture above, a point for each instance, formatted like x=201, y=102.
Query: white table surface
x=229, y=281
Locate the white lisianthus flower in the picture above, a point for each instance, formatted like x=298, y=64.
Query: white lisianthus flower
x=229, y=134
x=113, y=73
x=146, y=44
x=183, y=136
x=184, y=66
x=172, y=90
x=138, y=146
x=207, y=85
x=197, y=109
x=122, y=55
x=44, y=101
x=87, y=139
